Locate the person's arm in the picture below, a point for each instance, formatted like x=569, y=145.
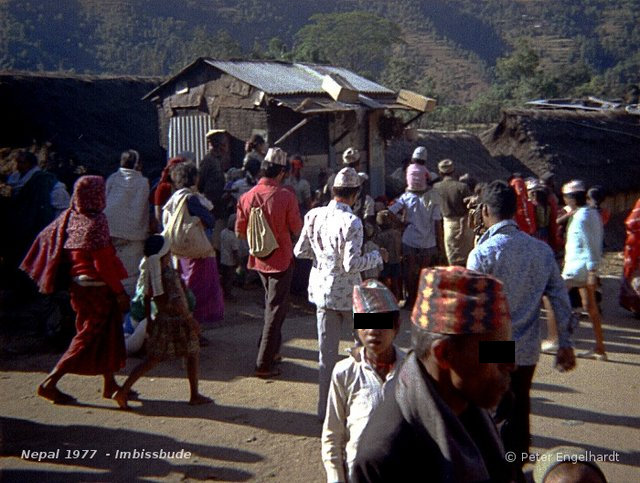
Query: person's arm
x=197, y=209
x=294, y=220
x=241, y=221
x=111, y=271
x=593, y=232
x=334, y=433
x=353, y=261
x=474, y=261
x=302, y=248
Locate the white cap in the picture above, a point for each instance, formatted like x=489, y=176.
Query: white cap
x=420, y=153
x=276, y=156
x=213, y=132
x=347, y=178
x=350, y=156
x=574, y=186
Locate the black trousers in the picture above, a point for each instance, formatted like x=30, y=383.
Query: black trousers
x=276, y=305
x=516, y=406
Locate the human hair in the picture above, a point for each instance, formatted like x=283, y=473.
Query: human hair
x=344, y=191
x=184, y=175
x=27, y=157
x=422, y=340
x=597, y=194
x=580, y=197
x=542, y=197
x=271, y=170
x=500, y=199
x=253, y=142
x=216, y=140
x=129, y=159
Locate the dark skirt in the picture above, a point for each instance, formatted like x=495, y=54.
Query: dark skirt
x=98, y=346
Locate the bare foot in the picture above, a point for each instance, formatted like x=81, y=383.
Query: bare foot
x=109, y=391
x=54, y=395
x=199, y=399
x=121, y=398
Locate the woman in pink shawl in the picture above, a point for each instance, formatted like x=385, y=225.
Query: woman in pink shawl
x=77, y=244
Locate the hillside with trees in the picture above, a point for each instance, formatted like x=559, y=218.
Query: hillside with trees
x=474, y=57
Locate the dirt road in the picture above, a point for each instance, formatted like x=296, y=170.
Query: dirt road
x=267, y=430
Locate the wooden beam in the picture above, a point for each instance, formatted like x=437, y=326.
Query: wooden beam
x=414, y=118
x=292, y=130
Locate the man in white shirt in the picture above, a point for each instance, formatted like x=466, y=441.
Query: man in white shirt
x=332, y=237
x=127, y=212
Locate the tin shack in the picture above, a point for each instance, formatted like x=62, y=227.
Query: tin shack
x=314, y=110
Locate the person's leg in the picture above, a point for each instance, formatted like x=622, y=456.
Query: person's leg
x=328, y=322
x=110, y=385
x=516, y=429
x=449, y=229
x=277, y=288
x=411, y=270
x=588, y=296
x=122, y=395
x=193, y=365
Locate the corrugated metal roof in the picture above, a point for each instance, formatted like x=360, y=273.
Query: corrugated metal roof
x=285, y=78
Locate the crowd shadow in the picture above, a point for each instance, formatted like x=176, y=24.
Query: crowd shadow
x=543, y=386
x=19, y=435
x=272, y=420
x=631, y=458
x=542, y=407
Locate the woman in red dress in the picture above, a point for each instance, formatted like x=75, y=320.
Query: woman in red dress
x=78, y=244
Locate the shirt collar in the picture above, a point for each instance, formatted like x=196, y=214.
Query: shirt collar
x=268, y=181
x=495, y=228
x=339, y=205
x=358, y=355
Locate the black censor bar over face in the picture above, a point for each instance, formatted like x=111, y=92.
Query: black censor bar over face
x=382, y=320
x=497, y=351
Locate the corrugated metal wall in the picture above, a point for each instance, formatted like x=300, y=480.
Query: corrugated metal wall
x=187, y=133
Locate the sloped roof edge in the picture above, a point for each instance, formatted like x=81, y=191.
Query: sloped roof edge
x=282, y=78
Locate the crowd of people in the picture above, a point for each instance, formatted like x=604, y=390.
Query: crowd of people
x=473, y=262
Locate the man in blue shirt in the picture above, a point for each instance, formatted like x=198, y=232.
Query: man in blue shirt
x=528, y=269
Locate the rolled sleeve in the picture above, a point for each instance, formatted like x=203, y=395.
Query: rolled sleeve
x=353, y=261
x=303, y=248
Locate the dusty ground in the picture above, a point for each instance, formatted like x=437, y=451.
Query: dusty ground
x=267, y=430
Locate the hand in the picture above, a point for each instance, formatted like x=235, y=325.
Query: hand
x=384, y=254
x=565, y=359
x=592, y=278
x=124, y=302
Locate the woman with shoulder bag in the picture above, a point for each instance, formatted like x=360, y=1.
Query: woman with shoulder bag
x=186, y=218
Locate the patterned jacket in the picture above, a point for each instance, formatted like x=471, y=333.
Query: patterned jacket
x=332, y=238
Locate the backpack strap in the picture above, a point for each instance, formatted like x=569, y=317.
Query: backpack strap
x=264, y=201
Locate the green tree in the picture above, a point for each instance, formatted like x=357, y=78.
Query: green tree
x=359, y=41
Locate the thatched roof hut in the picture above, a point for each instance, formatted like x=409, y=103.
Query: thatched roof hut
x=90, y=118
x=464, y=148
x=599, y=147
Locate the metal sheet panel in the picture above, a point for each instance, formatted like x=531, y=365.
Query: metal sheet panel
x=188, y=133
x=285, y=78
